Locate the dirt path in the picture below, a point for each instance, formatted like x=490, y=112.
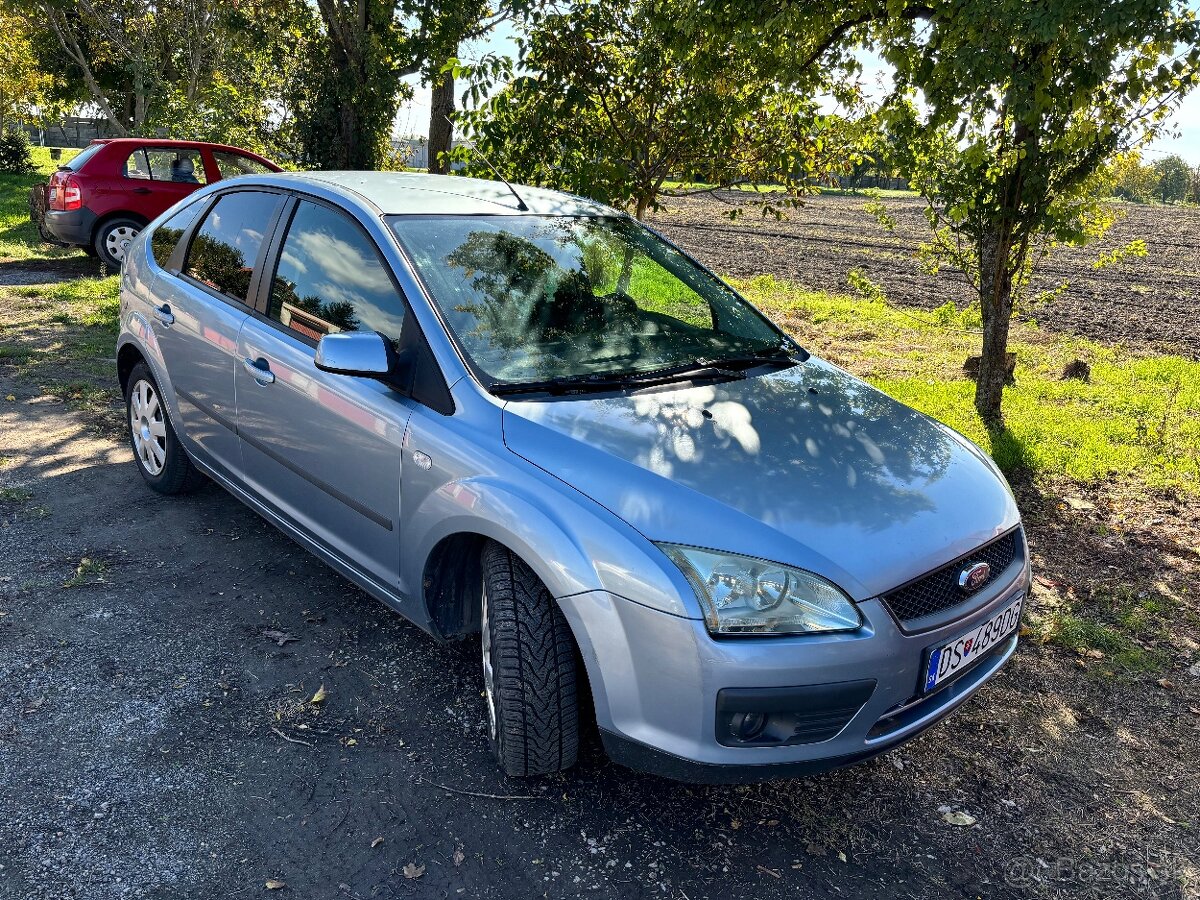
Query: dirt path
x=143, y=754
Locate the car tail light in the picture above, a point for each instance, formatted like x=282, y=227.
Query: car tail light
x=65, y=192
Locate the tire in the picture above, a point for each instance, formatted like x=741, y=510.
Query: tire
x=157, y=453
x=530, y=674
x=112, y=238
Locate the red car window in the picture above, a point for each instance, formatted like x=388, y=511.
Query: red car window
x=180, y=165
x=233, y=164
x=137, y=166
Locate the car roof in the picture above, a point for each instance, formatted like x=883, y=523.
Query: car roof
x=164, y=142
x=413, y=193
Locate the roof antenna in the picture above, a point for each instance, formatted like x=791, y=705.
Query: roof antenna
x=520, y=203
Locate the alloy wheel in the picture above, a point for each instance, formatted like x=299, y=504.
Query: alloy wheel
x=148, y=427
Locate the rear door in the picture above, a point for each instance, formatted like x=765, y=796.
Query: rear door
x=325, y=449
x=173, y=173
x=202, y=306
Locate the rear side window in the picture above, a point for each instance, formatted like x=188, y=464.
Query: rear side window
x=225, y=247
x=234, y=164
x=182, y=165
x=166, y=236
x=330, y=278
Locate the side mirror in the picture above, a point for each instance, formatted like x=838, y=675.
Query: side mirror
x=365, y=353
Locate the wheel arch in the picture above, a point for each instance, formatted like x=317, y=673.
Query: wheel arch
x=128, y=356
x=572, y=545
x=107, y=217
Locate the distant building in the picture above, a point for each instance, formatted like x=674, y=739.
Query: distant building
x=416, y=151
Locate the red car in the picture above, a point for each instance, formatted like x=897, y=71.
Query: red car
x=103, y=197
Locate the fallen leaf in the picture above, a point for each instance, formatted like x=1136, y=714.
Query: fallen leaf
x=1166, y=684
x=11, y=399
x=841, y=856
x=815, y=850
x=274, y=884
x=320, y=695
x=1194, y=710
x=279, y=637
x=958, y=817
x=412, y=870
x=735, y=824
x=459, y=856
x=375, y=843
x=772, y=872
x=1077, y=503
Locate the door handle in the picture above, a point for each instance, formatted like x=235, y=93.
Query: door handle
x=260, y=370
x=163, y=314
x=140, y=191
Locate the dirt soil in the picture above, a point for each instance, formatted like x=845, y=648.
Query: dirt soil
x=158, y=658
x=1152, y=301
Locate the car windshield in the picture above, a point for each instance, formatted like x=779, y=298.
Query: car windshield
x=537, y=298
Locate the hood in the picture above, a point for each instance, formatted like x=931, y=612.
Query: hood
x=808, y=466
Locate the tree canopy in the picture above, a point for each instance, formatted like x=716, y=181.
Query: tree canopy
x=608, y=104
x=1007, y=110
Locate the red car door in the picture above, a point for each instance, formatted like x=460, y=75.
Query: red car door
x=170, y=173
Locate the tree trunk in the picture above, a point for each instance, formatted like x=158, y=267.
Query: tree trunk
x=441, y=131
x=995, y=296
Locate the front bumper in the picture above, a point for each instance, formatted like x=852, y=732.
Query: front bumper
x=656, y=680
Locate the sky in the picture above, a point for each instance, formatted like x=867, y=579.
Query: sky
x=1182, y=135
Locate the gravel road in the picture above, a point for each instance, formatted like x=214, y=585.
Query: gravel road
x=157, y=739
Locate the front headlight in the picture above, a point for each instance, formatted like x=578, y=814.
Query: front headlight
x=743, y=595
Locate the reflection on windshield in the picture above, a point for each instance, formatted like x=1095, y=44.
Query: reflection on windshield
x=540, y=297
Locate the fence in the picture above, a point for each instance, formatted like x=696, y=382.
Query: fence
x=73, y=131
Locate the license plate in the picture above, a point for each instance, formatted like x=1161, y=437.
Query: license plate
x=962, y=652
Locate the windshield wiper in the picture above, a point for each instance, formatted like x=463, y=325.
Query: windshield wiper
x=783, y=352
x=724, y=367
x=588, y=384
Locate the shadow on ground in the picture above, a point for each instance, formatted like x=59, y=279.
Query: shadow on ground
x=156, y=741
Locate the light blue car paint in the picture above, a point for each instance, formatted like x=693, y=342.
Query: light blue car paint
x=806, y=466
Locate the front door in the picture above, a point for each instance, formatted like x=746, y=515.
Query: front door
x=322, y=449
x=201, y=310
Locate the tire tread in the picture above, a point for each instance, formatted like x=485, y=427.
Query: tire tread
x=535, y=677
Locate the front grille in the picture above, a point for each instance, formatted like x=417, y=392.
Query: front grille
x=939, y=589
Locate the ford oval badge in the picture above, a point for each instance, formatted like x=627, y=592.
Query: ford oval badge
x=974, y=576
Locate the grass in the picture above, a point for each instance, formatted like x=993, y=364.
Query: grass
x=1122, y=628
x=89, y=571
x=683, y=187
x=18, y=235
x=60, y=322
x=1138, y=417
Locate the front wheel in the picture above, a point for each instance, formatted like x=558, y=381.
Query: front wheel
x=160, y=458
x=113, y=239
x=529, y=669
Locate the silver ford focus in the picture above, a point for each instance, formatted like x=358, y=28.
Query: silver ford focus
x=519, y=413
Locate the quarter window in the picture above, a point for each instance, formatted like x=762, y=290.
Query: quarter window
x=226, y=245
x=166, y=236
x=330, y=278
x=234, y=164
